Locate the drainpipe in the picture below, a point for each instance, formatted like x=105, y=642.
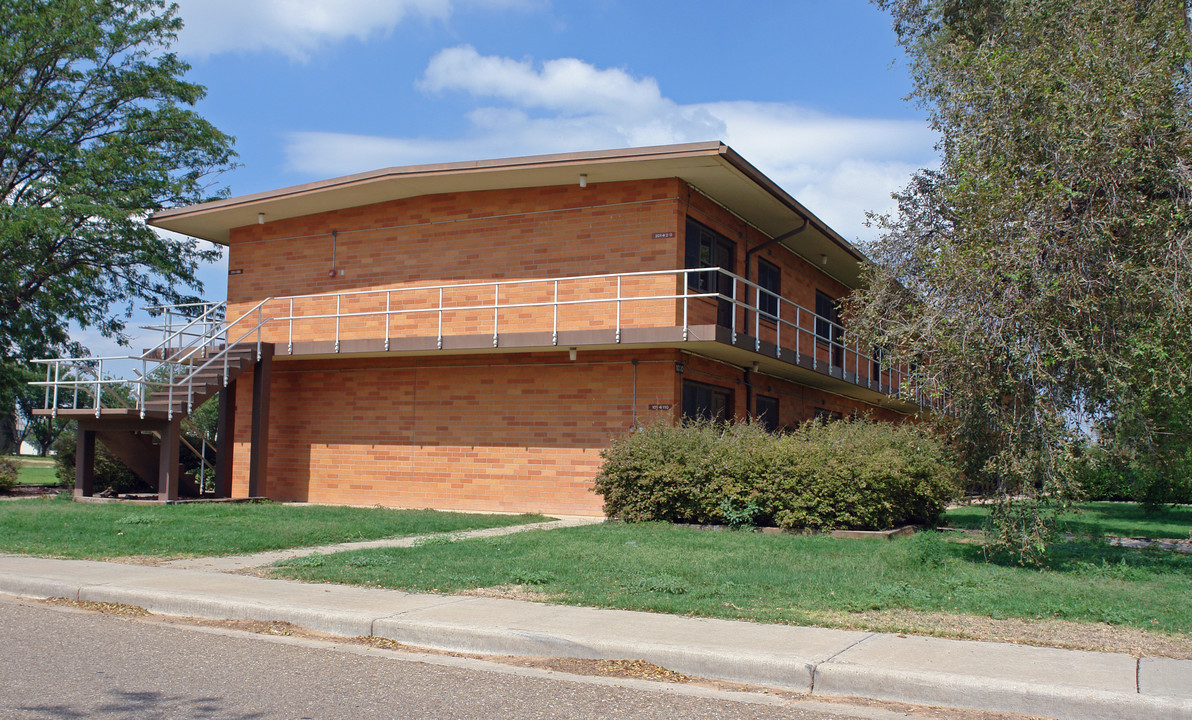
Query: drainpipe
x=757, y=300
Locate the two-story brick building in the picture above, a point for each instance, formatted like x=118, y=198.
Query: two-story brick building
x=471, y=335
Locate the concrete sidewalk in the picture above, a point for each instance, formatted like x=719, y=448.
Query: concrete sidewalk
x=920, y=670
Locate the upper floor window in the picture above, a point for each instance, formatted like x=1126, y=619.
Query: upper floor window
x=769, y=277
x=707, y=248
x=827, y=317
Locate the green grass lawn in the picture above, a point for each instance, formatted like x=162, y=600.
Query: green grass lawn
x=34, y=470
x=62, y=528
x=782, y=578
x=1099, y=519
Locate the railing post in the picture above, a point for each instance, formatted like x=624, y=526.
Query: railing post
x=733, y=307
x=98, y=380
x=618, y=335
x=49, y=369
x=57, y=379
x=686, y=300
x=798, y=338
x=757, y=317
x=337, y=299
x=554, y=334
x=778, y=331
x=258, y=332
x=440, y=342
x=290, y=342
x=496, y=309
x=141, y=387
x=387, y=294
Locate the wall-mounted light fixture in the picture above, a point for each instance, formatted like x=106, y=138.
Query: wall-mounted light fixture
x=756, y=365
x=260, y=218
x=583, y=179
x=823, y=259
x=571, y=352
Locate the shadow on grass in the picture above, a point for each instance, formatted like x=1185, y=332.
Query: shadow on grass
x=1089, y=558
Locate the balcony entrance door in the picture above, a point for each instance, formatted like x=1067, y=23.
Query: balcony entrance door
x=724, y=254
x=707, y=248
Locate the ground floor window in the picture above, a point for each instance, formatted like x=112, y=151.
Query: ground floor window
x=706, y=402
x=827, y=415
x=765, y=409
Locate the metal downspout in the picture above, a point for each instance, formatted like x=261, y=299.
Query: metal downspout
x=757, y=300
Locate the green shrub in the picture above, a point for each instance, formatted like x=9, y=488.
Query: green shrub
x=855, y=474
x=8, y=474
x=862, y=474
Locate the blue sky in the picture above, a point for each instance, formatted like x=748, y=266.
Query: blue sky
x=811, y=92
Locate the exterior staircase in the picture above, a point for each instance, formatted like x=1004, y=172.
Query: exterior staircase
x=194, y=362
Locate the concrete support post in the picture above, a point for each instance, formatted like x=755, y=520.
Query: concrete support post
x=225, y=431
x=259, y=457
x=85, y=463
x=167, y=466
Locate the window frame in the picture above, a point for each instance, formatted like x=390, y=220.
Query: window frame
x=764, y=416
x=712, y=390
x=768, y=297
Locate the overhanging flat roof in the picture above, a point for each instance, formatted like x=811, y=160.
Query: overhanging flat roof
x=711, y=167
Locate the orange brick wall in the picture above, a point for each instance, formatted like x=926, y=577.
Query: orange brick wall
x=521, y=234
x=515, y=432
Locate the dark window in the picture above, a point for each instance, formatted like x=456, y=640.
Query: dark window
x=825, y=315
x=706, y=402
x=766, y=411
x=827, y=415
x=827, y=325
x=707, y=248
x=875, y=371
x=769, y=277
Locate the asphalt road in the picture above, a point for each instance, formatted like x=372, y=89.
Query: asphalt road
x=66, y=663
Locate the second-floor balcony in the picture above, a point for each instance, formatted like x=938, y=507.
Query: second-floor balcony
x=709, y=311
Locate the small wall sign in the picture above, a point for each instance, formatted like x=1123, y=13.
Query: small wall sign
x=236, y=272
x=662, y=235
x=660, y=406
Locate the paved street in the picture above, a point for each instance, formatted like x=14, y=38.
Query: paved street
x=64, y=663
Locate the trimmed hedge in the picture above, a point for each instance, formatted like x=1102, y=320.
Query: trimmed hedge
x=857, y=474
x=8, y=474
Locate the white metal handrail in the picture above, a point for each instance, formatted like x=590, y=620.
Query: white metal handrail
x=204, y=341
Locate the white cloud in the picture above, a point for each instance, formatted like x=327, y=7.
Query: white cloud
x=567, y=84
x=840, y=167
x=298, y=27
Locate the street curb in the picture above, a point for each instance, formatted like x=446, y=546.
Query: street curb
x=782, y=670
x=787, y=672
x=934, y=688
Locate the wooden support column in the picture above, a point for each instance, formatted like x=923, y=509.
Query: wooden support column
x=258, y=464
x=225, y=432
x=85, y=463
x=167, y=466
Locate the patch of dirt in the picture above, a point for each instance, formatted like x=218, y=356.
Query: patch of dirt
x=509, y=592
x=99, y=607
x=1098, y=637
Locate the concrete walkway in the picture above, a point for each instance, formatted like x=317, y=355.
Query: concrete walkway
x=920, y=670
x=237, y=563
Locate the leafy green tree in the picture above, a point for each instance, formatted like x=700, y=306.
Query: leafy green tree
x=1043, y=268
x=96, y=131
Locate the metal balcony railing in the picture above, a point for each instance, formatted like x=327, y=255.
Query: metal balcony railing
x=196, y=337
